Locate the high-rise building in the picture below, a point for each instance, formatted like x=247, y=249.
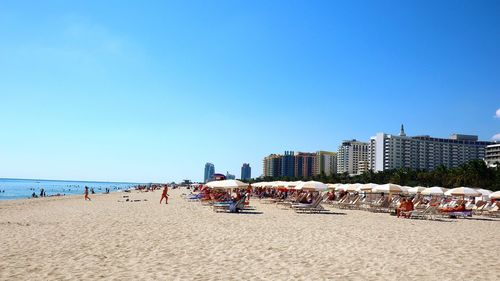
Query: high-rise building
x=423, y=152
x=492, y=156
x=246, y=171
x=305, y=164
x=209, y=171
x=272, y=165
x=349, y=155
x=327, y=163
x=299, y=164
x=288, y=164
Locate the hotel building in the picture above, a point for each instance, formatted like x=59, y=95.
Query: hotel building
x=272, y=165
x=492, y=155
x=291, y=164
x=350, y=154
x=305, y=164
x=388, y=151
x=326, y=163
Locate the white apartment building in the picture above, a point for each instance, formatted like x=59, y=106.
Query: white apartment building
x=326, y=163
x=349, y=155
x=423, y=152
x=492, y=155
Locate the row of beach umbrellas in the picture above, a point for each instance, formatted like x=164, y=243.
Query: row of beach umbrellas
x=357, y=187
x=436, y=190
x=299, y=185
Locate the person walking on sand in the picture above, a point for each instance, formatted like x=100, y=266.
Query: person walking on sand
x=87, y=193
x=164, y=195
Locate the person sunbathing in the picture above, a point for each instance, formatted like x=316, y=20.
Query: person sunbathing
x=237, y=197
x=458, y=208
x=410, y=206
x=331, y=196
x=402, y=207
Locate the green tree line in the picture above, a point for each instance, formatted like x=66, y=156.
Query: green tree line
x=472, y=174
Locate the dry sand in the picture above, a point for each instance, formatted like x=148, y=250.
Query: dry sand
x=71, y=239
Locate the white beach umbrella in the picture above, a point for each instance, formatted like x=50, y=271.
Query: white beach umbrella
x=292, y=184
x=267, y=184
x=484, y=192
x=368, y=187
x=332, y=185
x=260, y=184
x=342, y=187
x=312, y=185
x=389, y=188
x=278, y=184
x=227, y=184
x=256, y=184
x=435, y=190
x=495, y=195
x=405, y=188
x=416, y=190
x=297, y=185
x=463, y=191
x=353, y=187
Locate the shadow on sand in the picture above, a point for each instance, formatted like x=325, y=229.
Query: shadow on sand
x=248, y=213
x=323, y=213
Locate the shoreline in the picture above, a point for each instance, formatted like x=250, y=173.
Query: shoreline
x=20, y=179
x=59, y=196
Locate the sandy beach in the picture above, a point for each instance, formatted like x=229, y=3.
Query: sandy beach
x=67, y=238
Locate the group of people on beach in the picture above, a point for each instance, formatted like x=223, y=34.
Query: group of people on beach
x=218, y=195
x=42, y=194
x=164, y=194
x=86, y=192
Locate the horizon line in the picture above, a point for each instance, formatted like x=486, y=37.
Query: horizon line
x=94, y=181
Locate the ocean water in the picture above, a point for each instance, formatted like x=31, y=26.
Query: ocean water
x=24, y=188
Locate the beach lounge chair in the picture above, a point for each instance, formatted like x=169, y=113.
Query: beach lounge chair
x=381, y=207
x=355, y=204
x=478, y=207
x=314, y=207
x=348, y=201
x=494, y=211
x=341, y=200
x=231, y=207
x=430, y=212
x=289, y=202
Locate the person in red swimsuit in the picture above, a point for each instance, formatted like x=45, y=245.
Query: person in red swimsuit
x=164, y=195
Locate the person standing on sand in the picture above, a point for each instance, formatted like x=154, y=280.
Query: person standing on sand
x=164, y=195
x=87, y=193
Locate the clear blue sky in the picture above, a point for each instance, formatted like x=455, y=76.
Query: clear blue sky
x=150, y=91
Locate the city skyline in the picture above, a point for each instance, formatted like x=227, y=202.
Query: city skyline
x=382, y=152
x=135, y=92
